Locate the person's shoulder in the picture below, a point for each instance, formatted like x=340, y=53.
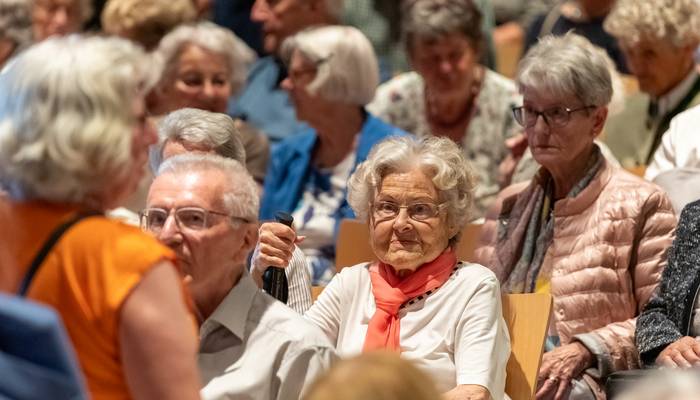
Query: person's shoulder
x=286, y=325
x=495, y=81
x=115, y=242
x=475, y=274
x=398, y=89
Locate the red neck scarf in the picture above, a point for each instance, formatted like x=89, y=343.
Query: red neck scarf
x=390, y=292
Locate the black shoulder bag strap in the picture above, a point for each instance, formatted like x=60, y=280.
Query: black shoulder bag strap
x=46, y=249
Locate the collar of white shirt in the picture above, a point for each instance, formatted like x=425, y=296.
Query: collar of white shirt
x=232, y=313
x=670, y=100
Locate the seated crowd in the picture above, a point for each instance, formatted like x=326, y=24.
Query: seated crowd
x=177, y=282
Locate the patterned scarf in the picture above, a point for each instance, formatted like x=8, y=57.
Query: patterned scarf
x=390, y=292
x=540, y=228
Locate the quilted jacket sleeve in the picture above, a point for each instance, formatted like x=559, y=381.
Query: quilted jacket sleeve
x=613, y=345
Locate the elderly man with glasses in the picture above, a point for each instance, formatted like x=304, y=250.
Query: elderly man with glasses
x=204, y=207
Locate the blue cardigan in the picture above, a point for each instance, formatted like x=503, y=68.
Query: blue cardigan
x=290, y=165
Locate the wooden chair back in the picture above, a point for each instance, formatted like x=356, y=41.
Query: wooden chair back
x=352, y=246
x=527, y=317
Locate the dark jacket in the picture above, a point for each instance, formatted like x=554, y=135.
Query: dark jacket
x=666, y=318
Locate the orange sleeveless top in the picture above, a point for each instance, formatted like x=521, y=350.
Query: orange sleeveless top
x=86, y=278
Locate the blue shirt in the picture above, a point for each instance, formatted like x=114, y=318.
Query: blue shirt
x=290, y=166
x=263, y=104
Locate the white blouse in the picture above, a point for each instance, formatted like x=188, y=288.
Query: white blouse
x=456, y=334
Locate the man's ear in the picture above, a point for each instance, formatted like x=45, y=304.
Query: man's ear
x=250, y=238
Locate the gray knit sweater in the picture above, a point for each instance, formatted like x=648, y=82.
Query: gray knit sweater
x=666, y=318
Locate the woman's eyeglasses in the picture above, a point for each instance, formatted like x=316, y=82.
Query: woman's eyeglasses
x=553, y=117
x=385, y=210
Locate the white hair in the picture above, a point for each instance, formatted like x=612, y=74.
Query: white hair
x=240, y=195
x=210, y=37
x=66, y=118
x=676, y=22
x=347, y=68
x=441, y=158
x=567, y=65
x=16, y=22
x=208, y=130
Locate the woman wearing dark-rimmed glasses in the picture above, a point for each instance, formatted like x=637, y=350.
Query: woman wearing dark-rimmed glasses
x=592, y=235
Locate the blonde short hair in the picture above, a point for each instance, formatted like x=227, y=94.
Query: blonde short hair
x=208, y=36
x=347, y=68
x=450, y=171
x=676, y=22
x=374, y=376
x=146, y=21
x=66, y=128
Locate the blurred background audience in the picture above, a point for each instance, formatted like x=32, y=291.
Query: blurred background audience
x=658, y=39
x=450, y=93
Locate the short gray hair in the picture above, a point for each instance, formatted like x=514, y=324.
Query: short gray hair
x=16, y=22
x=211, y=37
x=451, y=173
x=213, y=131
x=65, y=130
x=432, y=19
x=347, y=71
x=567, y=65
x=241, y=193
x=676, y=22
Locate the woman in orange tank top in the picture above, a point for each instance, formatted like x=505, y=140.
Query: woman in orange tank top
x=74, y=139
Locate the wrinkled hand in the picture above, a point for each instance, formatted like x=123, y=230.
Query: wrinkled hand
x=467, y=392
x=683, y=353
x=275, y=246
x=559, y=367
x=516, y=146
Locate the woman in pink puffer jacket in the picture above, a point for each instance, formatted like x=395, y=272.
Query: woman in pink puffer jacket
x=593, y=236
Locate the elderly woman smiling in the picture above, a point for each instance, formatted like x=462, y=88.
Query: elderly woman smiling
x=333, y=74
x=592, y=235
x=202, y=65
x=419, y=300
x=449, y=93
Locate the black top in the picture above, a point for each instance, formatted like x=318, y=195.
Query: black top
x=667, y=316
x=591, y=30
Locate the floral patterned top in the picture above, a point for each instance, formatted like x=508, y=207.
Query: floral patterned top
x=400, y=102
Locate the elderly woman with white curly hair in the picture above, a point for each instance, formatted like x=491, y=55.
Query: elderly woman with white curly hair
x=201, y=66
x=658, y=38
x=592, y=235
x=333, y=74
x=15, y=28
x=418, y=299
x=73, y=143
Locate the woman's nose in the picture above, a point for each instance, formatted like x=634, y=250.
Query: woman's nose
x=402, y=221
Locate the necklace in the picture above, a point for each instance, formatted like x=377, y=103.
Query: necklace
x=456, y=129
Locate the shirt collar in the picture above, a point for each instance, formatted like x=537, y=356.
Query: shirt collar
x=670, y=100
x=232, y=313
